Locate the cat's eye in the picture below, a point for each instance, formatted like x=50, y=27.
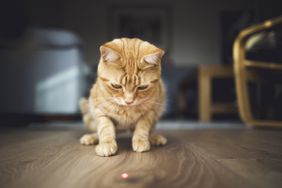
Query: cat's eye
x=143, y=87
x=116, y=86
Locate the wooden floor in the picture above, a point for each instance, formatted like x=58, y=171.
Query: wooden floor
x=50, y=158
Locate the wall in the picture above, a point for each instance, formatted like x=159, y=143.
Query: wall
x=195, y=28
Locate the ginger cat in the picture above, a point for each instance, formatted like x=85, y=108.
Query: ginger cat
x=128, y=95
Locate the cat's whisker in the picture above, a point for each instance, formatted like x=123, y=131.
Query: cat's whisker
x=104, y=98
x=107, y=105
x=103, y=103
x=153, y=102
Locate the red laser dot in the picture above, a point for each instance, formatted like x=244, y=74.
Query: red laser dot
x=124, y=175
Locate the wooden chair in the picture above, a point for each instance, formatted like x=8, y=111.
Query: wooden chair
x=242, y=67
x=206, y=107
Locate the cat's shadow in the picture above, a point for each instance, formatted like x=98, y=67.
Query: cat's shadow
x=125, y=144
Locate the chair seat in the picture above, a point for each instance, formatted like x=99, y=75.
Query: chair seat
x=266, y=55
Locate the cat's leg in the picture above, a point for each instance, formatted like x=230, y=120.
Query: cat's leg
x=107, y=137
x=87, y=117
x=157, y=139
x=89, y=139
x=140, y=139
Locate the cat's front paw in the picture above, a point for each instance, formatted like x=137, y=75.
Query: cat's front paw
x=140, y=144
x=157, y=140
x=106, y=149
x=88, y=139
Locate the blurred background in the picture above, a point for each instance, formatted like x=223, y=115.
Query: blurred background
x=49, y=51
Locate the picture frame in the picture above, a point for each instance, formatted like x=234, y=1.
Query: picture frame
x=147, y=23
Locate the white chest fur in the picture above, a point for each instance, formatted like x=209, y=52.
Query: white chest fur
x=123, y=118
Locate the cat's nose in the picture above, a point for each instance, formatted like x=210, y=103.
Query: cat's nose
x=128, y=98
x=128, y=102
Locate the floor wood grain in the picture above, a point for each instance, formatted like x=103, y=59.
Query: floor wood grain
x=37, y=157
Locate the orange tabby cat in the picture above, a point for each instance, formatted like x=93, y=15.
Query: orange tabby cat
x=128, y=95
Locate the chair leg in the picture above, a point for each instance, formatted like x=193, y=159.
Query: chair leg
x=243, y=97
x=204, y=103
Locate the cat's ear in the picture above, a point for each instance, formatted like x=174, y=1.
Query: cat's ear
x=154, y=58
x=108, y=54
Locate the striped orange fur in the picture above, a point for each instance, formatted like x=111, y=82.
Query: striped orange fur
x=128, y=95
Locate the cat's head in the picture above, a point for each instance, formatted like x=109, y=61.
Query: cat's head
x=130, y=70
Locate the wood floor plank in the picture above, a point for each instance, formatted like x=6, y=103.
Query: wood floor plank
x=196, y=158
x=254, y=155
x=262, y=172
x=237, y=143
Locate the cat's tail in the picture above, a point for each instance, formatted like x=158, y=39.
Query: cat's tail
x=86, y=115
